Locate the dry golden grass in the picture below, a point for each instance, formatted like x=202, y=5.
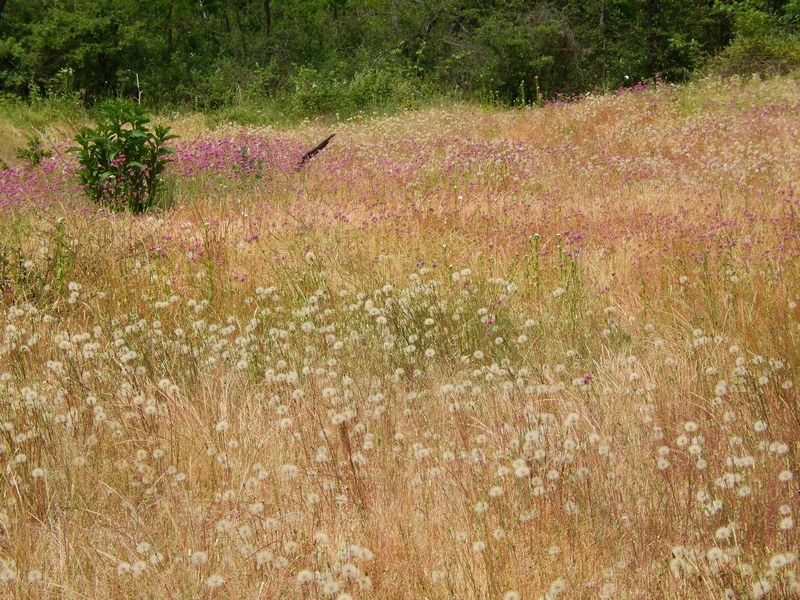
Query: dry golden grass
x=464, y=353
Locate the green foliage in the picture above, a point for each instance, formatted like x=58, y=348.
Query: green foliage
x=33, y=153
x=372, y=88
x=42, y=114
x=309, y=57
x=12, y=52
x=122, y=160
x=511, y=51
x=791, y=16
x=761, y=44
x=32, y=276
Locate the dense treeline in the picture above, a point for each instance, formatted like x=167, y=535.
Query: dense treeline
x=331, y=55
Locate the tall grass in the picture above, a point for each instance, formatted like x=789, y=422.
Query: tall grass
x=462, y=353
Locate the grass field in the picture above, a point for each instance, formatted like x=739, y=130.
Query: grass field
x=462, y=353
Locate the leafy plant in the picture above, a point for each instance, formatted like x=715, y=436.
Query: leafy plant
x=122, y=160
x=33, y=153
x=763, y=43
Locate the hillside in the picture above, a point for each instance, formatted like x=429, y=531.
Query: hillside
x=461, y=353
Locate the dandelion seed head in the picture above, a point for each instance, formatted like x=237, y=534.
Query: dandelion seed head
x=304, y=577
x=35, y=576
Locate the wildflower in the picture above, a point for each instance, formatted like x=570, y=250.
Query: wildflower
x=321, y=538
x=35, y=576
x=142, y=547
x=723, y=533
x=437, y=576
x=290, y=471
x=138, y=567
x=329, y=588
x=778, y=561
x=214, y=581
x=778, y=448
x=303, y=577
x=716, y=556
x=761, y=588
x=521, y=470
x=263, y=557
x=608, y=591
x=198, y=559
x=224, y=525
x=557, y=587
x=350, y=571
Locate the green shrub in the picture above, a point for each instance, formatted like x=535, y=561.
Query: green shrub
x=313, y=92
x=33, y=153
x=385, y=85
x=761, y=45
x=122, y=160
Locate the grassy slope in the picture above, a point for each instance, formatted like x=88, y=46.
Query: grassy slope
x=496, y=349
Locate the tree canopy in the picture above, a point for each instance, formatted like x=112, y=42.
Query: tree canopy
x=211, y=53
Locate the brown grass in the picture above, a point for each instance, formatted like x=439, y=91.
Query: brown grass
x=631, y=295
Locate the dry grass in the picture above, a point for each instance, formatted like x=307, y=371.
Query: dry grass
x=464, y=354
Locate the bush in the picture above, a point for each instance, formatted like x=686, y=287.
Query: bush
x=122, y=160
x=33, y=154
x=384, y=85
x=760, y=46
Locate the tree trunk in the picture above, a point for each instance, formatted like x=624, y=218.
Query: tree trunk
x=267, y=19
x=170, y=31
x=653, y=25
x=237, y=25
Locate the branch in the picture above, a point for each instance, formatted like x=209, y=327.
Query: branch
x=316, y=149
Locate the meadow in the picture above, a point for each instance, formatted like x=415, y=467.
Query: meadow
x=462, y=353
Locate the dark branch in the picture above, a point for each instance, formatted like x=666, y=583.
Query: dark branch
x=311, y=153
